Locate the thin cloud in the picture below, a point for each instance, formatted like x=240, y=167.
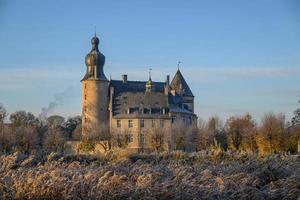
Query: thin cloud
x=208, y=73
x=278, y=92
x=27, y=78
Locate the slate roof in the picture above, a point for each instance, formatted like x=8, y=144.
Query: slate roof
x=179, y=83
x=132, y=95
x=135, y=86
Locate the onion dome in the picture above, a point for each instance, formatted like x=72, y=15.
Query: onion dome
x=94, y=62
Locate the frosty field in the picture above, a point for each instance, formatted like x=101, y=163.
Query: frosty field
x=176, y=175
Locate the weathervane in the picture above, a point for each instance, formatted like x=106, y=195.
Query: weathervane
x=95, y=27
x=179, y=62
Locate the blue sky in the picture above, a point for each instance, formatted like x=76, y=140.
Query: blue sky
x=237, y=56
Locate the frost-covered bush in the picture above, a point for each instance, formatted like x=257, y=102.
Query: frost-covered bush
x=175, y=175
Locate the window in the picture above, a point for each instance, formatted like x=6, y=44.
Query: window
x=130, y=123
x=165, y=111
x=162, y=123
x=173, y=119
x=118, y=123
x=142, y=123
x=146, y=111
x=130, y=138
x=153, y=123
x=185, y=106
x=142, y=138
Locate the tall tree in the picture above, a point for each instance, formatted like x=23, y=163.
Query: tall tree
x=3, y=115
x=240, y=131
x=54, y=139
x=4, y=146
x=270, y=138
x=70, y=126
x=158, y=139
x=296, y=118
x=205, y=137
x=23, y=118
x=24, y=127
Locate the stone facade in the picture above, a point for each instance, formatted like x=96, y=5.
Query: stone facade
x=133, y=108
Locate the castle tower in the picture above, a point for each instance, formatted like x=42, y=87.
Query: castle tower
x=94, y=94
x=180, y=86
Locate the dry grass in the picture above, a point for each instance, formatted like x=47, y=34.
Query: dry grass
x=202, y=175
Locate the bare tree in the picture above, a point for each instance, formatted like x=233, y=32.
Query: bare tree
x=158, y=137
x=271, y=134
x=24, y=128
x=216, y=128
x=99, y=134
x=3, y=139
x=241, y=132
x=179, y=136
x=205, y=137
x=120, y=138
x=183, y=137
x=54, y=140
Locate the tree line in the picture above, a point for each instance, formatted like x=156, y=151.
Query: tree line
x=272, y=134
x=27, y=133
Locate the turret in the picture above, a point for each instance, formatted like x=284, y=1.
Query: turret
x=179, y=86
x=94, y=93
x=149, y=83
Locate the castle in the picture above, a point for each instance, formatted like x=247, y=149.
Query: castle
x=134, y=108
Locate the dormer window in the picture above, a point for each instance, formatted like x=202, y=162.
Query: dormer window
x=146, y=111
x=185, y=106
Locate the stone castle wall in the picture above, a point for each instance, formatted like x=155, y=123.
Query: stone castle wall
x=94, y=105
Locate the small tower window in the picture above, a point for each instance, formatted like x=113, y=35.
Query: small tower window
x=118, y=123
x=142, y=123
x=130, y=123
x=173, y=119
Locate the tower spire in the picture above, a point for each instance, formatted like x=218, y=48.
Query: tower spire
x=150, y=69
x=178, y=64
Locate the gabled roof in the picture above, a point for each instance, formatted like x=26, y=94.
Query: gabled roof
x=178, y=83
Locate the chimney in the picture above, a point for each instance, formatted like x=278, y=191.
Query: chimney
x=124, y=78
x=167, y=85
x=168, y=79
